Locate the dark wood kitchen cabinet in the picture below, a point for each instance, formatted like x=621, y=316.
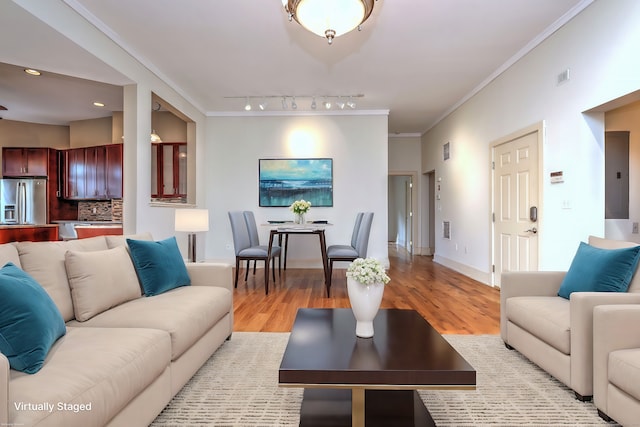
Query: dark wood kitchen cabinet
x=74, y=174
x=113, y=174
x=25, y=162
x=169, y=170
x=28, y=233
x=93, y=173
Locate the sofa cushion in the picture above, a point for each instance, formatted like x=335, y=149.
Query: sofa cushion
x=187, y=313
x=159, y=265
x=624, y=371
x=30, y=323
x=100, y=280
x=9, y=253
x=44, y=261
x=599, y=242
x=547, y=318
x=600, y=270
x=102, y=367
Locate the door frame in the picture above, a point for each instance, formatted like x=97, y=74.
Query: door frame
x=540, y=129
x=414, y=207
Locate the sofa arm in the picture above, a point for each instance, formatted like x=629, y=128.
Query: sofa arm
x=582, y=305
x=4, y=390
x=611, y=332
x=526, y=283
x=211, y=274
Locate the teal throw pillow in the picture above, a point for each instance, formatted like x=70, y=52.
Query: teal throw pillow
x=600, y=270
x=159, y=265
x=30, y=322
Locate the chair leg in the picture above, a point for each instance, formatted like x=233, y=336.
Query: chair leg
x=329, y=278
x=246, y=271
x=237, y=270
x=273, y=269
x=286, y=249
x=266, y=276
x=280, y=266
x=254, y=266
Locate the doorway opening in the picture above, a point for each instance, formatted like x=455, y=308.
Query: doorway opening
x=401, y=211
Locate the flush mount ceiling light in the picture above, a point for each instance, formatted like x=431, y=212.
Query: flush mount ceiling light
x=329, y=18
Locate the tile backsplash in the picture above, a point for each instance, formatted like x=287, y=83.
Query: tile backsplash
x=94, y=210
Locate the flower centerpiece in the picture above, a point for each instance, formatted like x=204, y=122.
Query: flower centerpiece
x=366, y=278
x=367, y=271
x=300, y=208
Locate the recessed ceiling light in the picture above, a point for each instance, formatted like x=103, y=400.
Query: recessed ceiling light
x=98, y=104
x=32, y=72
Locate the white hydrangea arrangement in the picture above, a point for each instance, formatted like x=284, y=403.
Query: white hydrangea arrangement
x=367, y=271
x=300, y=207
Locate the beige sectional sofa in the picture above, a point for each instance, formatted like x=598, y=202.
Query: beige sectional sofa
x=554, y=332
x=616, y=363
x=124, y=355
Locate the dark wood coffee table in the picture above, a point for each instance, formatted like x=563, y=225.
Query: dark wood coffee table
x=353, y=381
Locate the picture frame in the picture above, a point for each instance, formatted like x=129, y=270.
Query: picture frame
x=283, y=181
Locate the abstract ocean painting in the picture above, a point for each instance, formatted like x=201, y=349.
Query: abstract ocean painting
x=283, y=181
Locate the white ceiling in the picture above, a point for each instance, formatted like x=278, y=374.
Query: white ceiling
x=418, y=59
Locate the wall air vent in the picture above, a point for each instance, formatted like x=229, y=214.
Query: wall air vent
x=446, y=230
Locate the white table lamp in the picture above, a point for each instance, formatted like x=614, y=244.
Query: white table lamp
x=192, y=221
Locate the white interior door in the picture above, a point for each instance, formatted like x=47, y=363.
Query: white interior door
x=515, y=204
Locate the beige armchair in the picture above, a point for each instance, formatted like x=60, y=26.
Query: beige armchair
x=551, y=331
x=616, y=363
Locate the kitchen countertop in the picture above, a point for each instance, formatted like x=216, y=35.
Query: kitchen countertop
x=96, y=225
x=80, y=222
x=3, y=226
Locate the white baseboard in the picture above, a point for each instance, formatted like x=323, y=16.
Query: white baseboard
x=475, y=274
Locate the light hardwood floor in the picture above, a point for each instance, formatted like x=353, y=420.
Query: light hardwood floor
x=451, y=302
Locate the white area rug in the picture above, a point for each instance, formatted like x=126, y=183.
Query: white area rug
x=238, y=386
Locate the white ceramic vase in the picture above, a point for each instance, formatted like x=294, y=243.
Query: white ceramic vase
x=365, y=301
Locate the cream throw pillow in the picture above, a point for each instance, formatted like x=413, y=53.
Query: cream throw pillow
x=100, y=280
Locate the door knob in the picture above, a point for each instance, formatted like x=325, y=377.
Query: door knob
x=531, y=230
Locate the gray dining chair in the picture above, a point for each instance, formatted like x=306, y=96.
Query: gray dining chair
x=357, y=248
x=245, y=251
x=254, y=240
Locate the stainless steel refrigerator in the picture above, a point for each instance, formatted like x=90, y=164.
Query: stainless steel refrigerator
x=23, y=201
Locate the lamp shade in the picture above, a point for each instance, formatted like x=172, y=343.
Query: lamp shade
x=192, y=220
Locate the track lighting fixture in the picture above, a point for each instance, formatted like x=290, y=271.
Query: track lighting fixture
x=293, y=101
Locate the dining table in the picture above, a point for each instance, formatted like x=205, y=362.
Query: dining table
x=286, y=228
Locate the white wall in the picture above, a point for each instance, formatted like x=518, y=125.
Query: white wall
x=599, y=47
x=356, y=143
